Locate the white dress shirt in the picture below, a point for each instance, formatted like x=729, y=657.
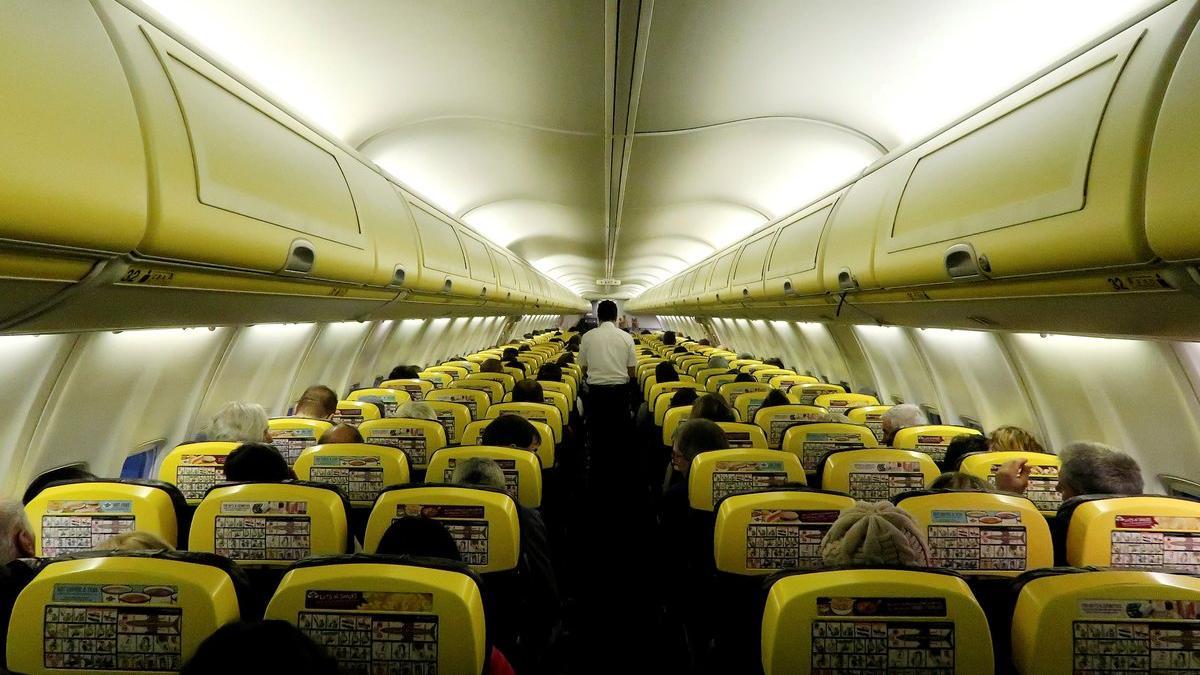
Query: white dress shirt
x=607, y=353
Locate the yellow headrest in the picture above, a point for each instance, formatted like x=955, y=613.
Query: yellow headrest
x=378, y=616
x=982, y=532
x=703, y=374
x=553, y=398
x=746, y=404
x=931, y=439
x=786, y=382
x=849, y=621
x=660, y=388
x=769, y=373
x=476, y=401
x=870, y=416
x=468, y=365
x=390, y=398
x=195, y=467
x=455, y=372
x=493, y=389
x=454, y=418
x=482, y=521
x=355, y=412
x=563, y=388
x=672, y=418
x=545, y=451
x=1106, y=622
x=416, y=389
x=81, y=516
x=1142, y=532
x=118, y=614
x=811, y=442
x=717, y=474
x=807, y=393
x=731, y=389
x=269, y=524
x=417, y=438
x=840, y=403
x=779, y=418
x=360, y=470
x=547, y=414
x=741, y=435
x=1043, y=479
x=714, y=382
x=516, y=373
x=293, y=434
x=439, y=379
x=522, y=469
x=877, y=474
x=738, y=363
x=765, y=531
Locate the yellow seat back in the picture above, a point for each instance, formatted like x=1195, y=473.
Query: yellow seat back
x=741, y=435
x=545, y=452
x=468, y=365
x=736, y=364
x=671, y=421
x=292, y=435
x=355, y=413
x=386, y=396
x=840, y=403
x=877, y=474
x=746, y=404
x=387, y=615
x=517, y=374
x=1106, y=622
x=761, y=532
x=1144, y=532
x=416, y=438
x=660, y=388
x=551, y=398
x=777, y=419
x=195, y=467
x=493, y=389
x=811, y=442
x=731, y=390
x=982, y=532
x=482, y=521
x=703, y=374
x=360, y=470
x=522, y=469
x=1043, y=477
x=455, y=372
x=476, y=401
x=454, y=418
x=714, y=382
x=767, y=374
x=270, y=524
x=118, y=613
x=507, y=381
x=415, y=388
x=806, y=394
x=560, y=388
x=785, y=383
x=549, y=415
x=80, y=516
x=717, y=474
x=931, y=439
x=876, y=620
x=663, y=403
x=438, y=378
x=870, y=417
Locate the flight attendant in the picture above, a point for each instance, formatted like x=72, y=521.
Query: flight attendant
x=607, y=357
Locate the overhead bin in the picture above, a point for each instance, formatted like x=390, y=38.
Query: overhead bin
x=747, y=282
x=385, y=216
x=792, y=264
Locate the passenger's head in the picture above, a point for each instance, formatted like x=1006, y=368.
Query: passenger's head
x=341, y=433
x=960, y=482
x=961, y=446
x=713, y=407
x=874, y=534
x=665, y=372
x=528, y=391
x=138, y=540
x=416, y=410
x=509, y=354
x=668, y=338
x=900, y=417
x=478, y=471
x=835, y=418
x=250, y=648
x=718, y=362
x=704, y=342
x=418, y=536
x=239, y=422
x=1094, y=468
x=318, y=402
x=773, y=398
x=566, y=359
x=511, y=431
x=491, y=366
x=1013, y=439
x=259, y=462
x=774, y=361
x=524, y=348
x=73, y=472
x=16, y=534
x=744, y=377
x=551, y=372
x=684, y=397
x=745, y=355
x=694, y=437
x=404, y=373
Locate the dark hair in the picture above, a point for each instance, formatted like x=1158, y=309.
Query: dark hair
x=403, y=373
x=509, y=431
x=524, y=348
x=699, y=435
x=567, y=358
x=509, y=353
x=713, y=407
x=491, y=366
x=679, y=349
x=668, y=338
x=684, y=397
x=773, y=398
x=665, y=372
x=321, y=397
x=39, y=483
x=606, y=310
x=270, y=646
x=744, y=377
x=774, y=361
x=550, y=372
x=959, y=482
x=528, y=391
x=259, y=462
x=961, y=446
x=704, y=342
x=418, y=536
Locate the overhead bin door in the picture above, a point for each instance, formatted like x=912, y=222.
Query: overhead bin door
x=440, y=246
x=792, y=267
x=481, y=264
x=748, y=272
x=719, y=280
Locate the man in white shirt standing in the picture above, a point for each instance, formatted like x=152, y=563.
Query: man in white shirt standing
x=607, y=357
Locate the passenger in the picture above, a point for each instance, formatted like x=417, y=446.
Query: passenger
x=341, y=433
x=252, y=648
x=419, y=536
x=137, y=540
x=835, y=418
x=528, y=391
x=773, y=398
x=16, y=534
x=874, y=534
x=239, y=422
x=900, y=417
x=404, y=373
x=511, y=431
x=961, y=446
x=574, y=342
x=718, y=362
x=1088, y=468
x=704, y=342
x=774, y=361
x=745, y=356
x=566, y=359
x=416, y=410
x=684, y=397
x=665, y=372
x=509, y=354
x=713, y=407
x=551, y=372
x=960, y=482
x=524, y=348
x=257, y=462
x=318, y=402
x=513, y=363
x=744, y=377
x=680, y=350
x=491, y=366
x=71, y=472
x=1013, y=439
x=668, y=338
x=693, y=437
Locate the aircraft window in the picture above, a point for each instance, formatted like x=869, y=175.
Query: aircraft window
x=931, y=413
x=140, y=462
x=971, y=423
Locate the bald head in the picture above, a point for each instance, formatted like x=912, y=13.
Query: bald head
x=341, y=433
x=16, y=535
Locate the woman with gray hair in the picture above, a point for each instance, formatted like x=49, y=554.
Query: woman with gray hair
x=239, y=422
x=416, y=410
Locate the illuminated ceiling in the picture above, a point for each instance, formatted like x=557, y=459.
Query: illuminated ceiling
x=630, y=139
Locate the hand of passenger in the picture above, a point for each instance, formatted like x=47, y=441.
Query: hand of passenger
x=1013, y=476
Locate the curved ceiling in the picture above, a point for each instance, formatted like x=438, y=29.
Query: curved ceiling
x=631, y=138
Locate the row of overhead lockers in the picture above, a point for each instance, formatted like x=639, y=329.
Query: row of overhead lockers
x=1076, y=187
x=145, y=185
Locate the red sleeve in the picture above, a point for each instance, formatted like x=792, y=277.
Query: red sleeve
x=498, y=664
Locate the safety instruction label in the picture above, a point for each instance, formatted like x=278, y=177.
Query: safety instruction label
x=781, y=539
x=735, y=478
x=780, y=425
x=1156, y=541
x=739, y=439
x=197, y=473
x=1118, y=647
x=891, y=647
x=1043, y=486
x=512, y=478
x=292, y=442
x=388, y=402
x=932, y=445
x=817, y=445
x=81, y=525
x=978, y=540
x=466, y=524
x=809, y=393
x=446, y=419
x=373, y=632
x=471, y=403
x=263, y=531
x=409, y=440
x=414, y=390
x=874, y=422
x=351, y=416
x=129, y=636
x=877, y=481
x=753, y=405
x=359, y=476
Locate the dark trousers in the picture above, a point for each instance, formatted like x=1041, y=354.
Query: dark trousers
x=610, y=436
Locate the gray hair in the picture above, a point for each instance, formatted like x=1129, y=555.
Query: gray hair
x=13, y=522
x=835, y=418
x=1094, y=468
x=478, y=471
x=903, y=416
x=239, y=422
x=718, y=362
x=417, y=410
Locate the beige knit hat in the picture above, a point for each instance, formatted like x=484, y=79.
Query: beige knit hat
x=875, y=534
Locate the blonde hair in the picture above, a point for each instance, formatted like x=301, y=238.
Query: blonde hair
x=239, y=422
x=417, y=410
x=138, y=540
x=1013, y=439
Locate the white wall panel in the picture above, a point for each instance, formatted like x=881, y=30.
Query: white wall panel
x=330, y=358
x=899, y=370
x=260, y=367
x=826, y=359
x=29, y=367
x=372, y=358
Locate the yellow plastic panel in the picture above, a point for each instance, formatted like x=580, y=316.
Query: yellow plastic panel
x=195, y=467
x=1172, y=203
x=746, y=405
x=439, y=380
x=81, y=516
x=360, y=470
x=982, y=532
x=714, y=382
x=871, y=417
x=671, y=421
x=390, y=398
x=292, y=435
x=816, y=622
x=97, y=615
x=730, y=390
x=473, y=434
x=741, y=435
x=811, y=442
x=455, y=372
x=493, y=390
x=440, y=246
x=777, y=419
x=416, y=389
x=563, y=388
x=767, y=374
x=483, y=522
x=792, y=268
x=1156, y=533
x=757, y=534
x=522, y=469
x=840, y=403
x=785, y=382
x=877, y=474
x=429, y=620
x=506, y=380
x=932, y=439
x=551, y=398
x=476, y=401
x=1106, y=622
x=454, y=418
x=717, y=474
x=471, y=366
x=269, y=524
x=418, y=439
x=355, y=412
x=541, y=412
x=806, y=394
x=1043, y=479
x=64, y=183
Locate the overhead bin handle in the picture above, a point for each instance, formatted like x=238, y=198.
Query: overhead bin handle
x=962, y=263
x=301, y=256
x=398, y=275
x=846, y=280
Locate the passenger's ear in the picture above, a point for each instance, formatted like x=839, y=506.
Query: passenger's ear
x=25, y=544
